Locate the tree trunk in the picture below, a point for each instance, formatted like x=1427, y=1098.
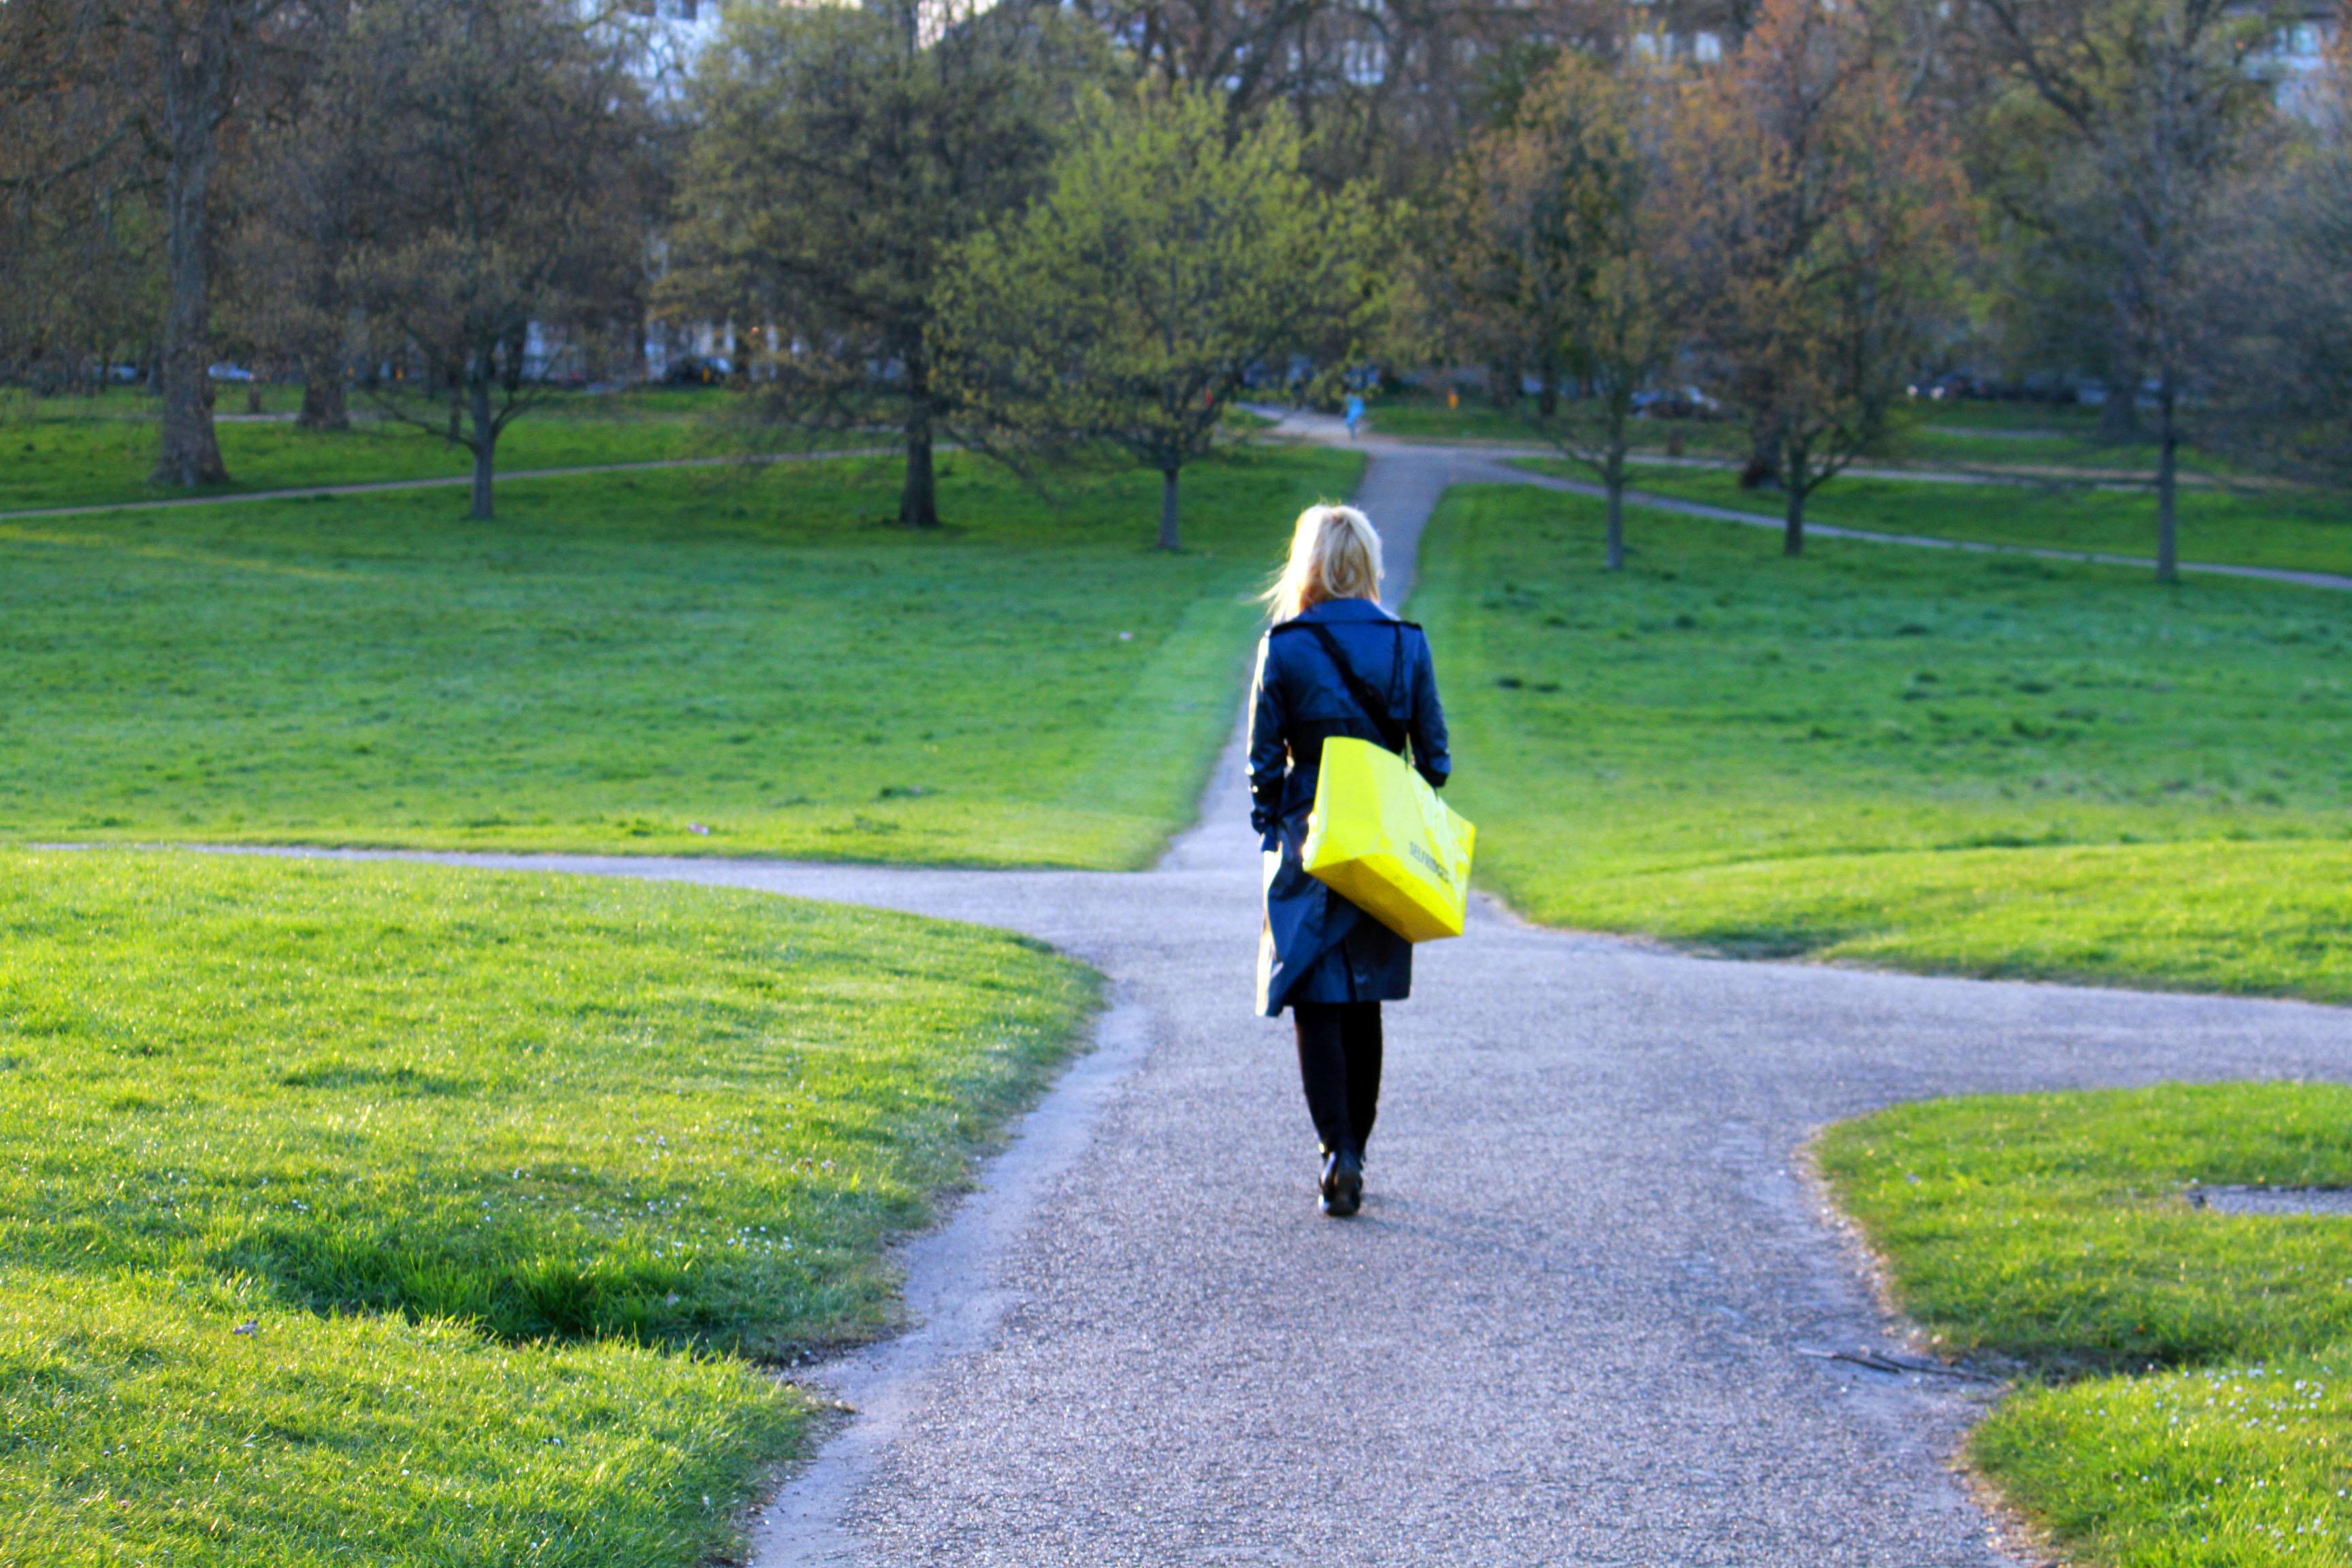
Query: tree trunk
x=1792, y=535
x=252, y=395
x=2167, y=465
x=1503, y=386
x=323, y=406
x=918, y=502
x=1168, y=509
x=1547, y=399
x=195, y=73
x=1613, y=477
x=2119, y=415
x=486, y=444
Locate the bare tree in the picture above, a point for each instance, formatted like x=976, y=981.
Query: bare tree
x=300, y=195
x=1543, y=253
x=202, y=51
x=508, y=139
x=79, y=224
x=1819, y=213
x=2278, y=299
x=2149, y=113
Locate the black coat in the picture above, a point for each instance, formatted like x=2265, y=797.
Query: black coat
x=1317, y=946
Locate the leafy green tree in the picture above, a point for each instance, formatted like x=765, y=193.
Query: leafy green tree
x=1170, y=260
x=839, y=154
x=1543, y=253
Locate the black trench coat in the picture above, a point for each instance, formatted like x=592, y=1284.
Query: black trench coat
x=1315, y=946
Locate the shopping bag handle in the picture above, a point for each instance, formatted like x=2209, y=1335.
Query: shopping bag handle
x=1374, y=704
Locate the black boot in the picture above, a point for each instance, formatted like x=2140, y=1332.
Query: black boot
x=1343, y=1183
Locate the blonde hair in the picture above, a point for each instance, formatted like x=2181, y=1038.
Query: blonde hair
x=1335, y=553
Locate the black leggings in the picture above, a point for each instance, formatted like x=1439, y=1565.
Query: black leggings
x=1339, y=1063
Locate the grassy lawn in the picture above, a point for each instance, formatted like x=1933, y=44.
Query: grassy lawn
x=2188, y=1374
x=1959, y=434
x=83, y=451
x=1417, y=415
x=418, y=1215
x=2304, y=530
x=1973, y=765
x=616, y=661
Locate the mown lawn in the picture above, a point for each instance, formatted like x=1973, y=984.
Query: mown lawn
x=2187, y=1374
x=1969, y=764
x=84, y=451
x=415, y=1216
x=2301, y=530
x=1925, y=434
x=616, y=663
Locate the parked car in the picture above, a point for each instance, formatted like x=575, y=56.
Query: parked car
x=1676, y=403
x=224, y=371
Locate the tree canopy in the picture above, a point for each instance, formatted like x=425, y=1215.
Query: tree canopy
x=1168, y=263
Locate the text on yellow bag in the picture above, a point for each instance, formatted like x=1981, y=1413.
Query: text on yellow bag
x=1382, y=840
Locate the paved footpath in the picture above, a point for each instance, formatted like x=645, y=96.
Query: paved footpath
x=1582, y=1319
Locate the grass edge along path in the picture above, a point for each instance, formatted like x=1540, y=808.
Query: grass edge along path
x=419, y=1214
x=2181, y=1392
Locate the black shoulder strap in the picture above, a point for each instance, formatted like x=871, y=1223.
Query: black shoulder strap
x=1375, y=706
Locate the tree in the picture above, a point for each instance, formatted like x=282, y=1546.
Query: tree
x=1166, y=264
x=1543, y=254
x=202, y=51
x=305, y=184
x=839, y=154
x=1818, y=216
x=2148, y=116
x=79, y=231
x=509, y=140
x=2278, y=299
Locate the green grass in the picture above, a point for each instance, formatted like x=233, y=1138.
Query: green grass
x=1966, y=764
x=2301, y=530
x=1988, y=434
x=1418, y=415
x=2189, y=1395
x=83, y=452
x=424, y=1215
x=616, y=660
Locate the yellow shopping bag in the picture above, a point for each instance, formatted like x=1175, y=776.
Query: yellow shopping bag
x=1381, y=838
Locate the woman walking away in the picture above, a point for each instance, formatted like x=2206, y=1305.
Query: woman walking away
x=1333, y=663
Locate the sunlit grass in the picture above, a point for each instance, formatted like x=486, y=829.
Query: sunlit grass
x=2296, y=529
x=617, y=663
x=1972, y=764
x=2199, y=1365
x=422, y=1216
x=74, y=451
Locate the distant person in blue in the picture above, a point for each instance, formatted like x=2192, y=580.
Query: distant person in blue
x=1355, y=413
x=1333, y=663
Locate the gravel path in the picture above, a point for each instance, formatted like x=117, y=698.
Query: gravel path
x=1591, y=1312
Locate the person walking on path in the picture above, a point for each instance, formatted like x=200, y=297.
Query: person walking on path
x=1355, y=413
x=1333, y=663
